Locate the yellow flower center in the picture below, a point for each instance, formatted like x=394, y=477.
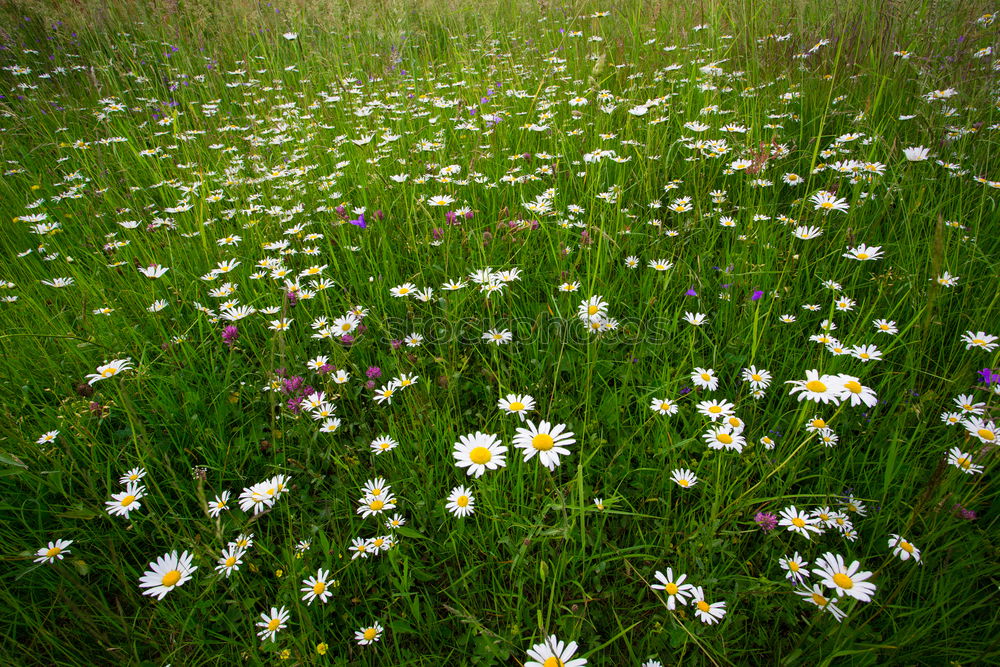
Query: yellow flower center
x=127, y=500
x=819, y=599
x=516, y=406
x=853, y=386
x=906, y=546
x=553, y=661
x=592, y=310
x=706, y=377
x=798, y=523
x=683, y=482
x=818, y=423
x=964, y=462
x=543, y=442
x=843, y=581
x=815, y=386
x=703, y=606
x=404, y=290
x=462, y=501
x=273, y=624
x=755, y=378
x=171, y=578
x=318, y=588
x=671, y=588
x=793, y=566
x=725, y=438
x=230, y=561
x=978, y=341
x=376, y=492
x=108, y=372
x=734, y=422
x=370, y=634
x=480, y=455
x=664, y=406
x=53, y=552
x=986, y=434
x=862, y=255
x=715, y=409
x=376, y=505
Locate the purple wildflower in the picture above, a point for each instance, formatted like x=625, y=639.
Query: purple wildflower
x=230, y=334
x=766, y=521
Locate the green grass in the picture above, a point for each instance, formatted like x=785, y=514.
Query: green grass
x=271, y=160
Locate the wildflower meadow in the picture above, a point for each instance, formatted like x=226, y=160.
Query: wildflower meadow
x=499, y=333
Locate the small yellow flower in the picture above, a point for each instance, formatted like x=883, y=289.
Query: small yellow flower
x=286, y=654
x=279, y=573
x=321, y=648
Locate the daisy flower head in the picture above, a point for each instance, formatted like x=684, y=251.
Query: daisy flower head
x=54, y=551
x=705, y=378
x=663, y=406
x=47, y=437
x=816, y=595
x=885, y=326
x=980, y=339
x=916, y=153
x=827, y=201
x=271, y=623
x=385, y=393
x=903, y=549
x=806, y=233
x=219, y=504
x=517, y=404
x=968, y=405
x=547, y=440
x=706, y=613
x=368, y=635
x=167, y=573
x=817, y=387
x=109, y=370
x=799, y=522
x=676, y=589
x=864, y=253
x=383, y=444
x=844, y=579
x=126, y=501
x=660, y=264
x=631, y=262
x=852, y=391
x=554, y=653
x=723, y=437
x=360, y=548
x=230, y=560
x=683, y=478
x=594, y=307
x=758, y=378
x=795, y=568
x=479, y=452
x=317, y=587
x=715, y=410
x=498, y=337
x=984, y=430
x=461, y=502
x=963, y=461
x=695, y=319
x=375, y=505
x=403, y=290
x=133, y=475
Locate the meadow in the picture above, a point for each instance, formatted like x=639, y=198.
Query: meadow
x=499, y=333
